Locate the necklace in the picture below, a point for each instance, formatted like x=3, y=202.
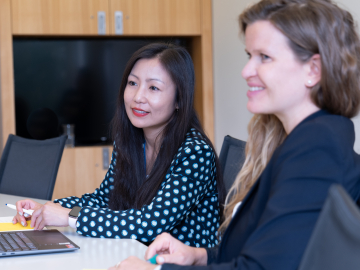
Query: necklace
x=147, y=175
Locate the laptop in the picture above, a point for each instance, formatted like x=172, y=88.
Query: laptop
x=13, y=243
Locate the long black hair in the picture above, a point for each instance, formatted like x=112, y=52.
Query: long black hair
x=132, y=189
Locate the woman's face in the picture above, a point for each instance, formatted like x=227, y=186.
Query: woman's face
x=149, y=96
x=277, y=80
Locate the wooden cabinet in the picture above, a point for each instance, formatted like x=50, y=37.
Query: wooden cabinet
x=60, y=17
x=97, y=17
x=81, y=168
x=156, y=17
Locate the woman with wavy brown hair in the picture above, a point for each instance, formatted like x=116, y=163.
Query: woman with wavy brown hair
x=303, y=78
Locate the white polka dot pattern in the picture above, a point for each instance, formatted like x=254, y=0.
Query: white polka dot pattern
x=186, y=204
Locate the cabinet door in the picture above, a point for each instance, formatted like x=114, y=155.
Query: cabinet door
x=81, y=170
x=60, y=17
x=155, y=17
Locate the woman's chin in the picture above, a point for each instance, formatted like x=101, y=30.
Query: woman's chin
x=254, y=109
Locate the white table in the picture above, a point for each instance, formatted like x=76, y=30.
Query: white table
x=94, y=253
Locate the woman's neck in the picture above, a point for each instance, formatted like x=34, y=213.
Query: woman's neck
x=290, y=121
x=152, y=147
x=152, y=140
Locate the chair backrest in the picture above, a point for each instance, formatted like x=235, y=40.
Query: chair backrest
x=335, y=241
x=29, y=167
x=232, y=157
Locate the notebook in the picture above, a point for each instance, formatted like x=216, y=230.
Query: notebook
x=9, y=226
x=14, y=243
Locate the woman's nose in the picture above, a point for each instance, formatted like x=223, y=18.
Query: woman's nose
x=140, y=95
x=249, y=70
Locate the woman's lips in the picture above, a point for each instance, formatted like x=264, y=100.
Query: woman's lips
x=139, y=113
x=254, y=90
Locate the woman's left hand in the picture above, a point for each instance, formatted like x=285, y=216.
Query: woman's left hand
x=51, y=214
x=133, y=263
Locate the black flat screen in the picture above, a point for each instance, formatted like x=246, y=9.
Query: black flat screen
x=78, y=79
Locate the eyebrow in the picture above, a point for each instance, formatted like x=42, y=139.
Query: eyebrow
x=260, y=50
x=148, y=80
x=247, y=52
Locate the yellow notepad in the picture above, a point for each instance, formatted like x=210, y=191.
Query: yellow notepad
x=4, y=227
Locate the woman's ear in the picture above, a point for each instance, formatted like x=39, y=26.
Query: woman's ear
x=313, y=71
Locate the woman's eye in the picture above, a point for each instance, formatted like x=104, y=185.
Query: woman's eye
x=154, y=88
x=131, y=83
x=264, y=57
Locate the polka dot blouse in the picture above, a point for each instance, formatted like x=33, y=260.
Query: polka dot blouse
x=186, y=204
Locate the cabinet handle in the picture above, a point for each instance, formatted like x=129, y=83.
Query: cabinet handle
x=105, y=155
x=101, y=22
x=119, y=28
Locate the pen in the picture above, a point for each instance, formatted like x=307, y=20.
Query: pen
x=26, y=211
x=153, y=259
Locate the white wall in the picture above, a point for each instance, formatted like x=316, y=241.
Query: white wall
x=354, y=7
x=231, y=115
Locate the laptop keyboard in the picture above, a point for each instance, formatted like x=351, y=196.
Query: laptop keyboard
x=15, y=242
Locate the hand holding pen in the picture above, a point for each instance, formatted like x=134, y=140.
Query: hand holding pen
x=21, y=206
x=167, y=249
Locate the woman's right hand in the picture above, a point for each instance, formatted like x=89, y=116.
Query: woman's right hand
x=171, y=250
x=25, y=204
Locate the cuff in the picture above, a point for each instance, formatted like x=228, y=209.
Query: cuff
x=212, y=254
x=72, y=222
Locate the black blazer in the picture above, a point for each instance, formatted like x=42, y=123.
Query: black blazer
x=273, y=224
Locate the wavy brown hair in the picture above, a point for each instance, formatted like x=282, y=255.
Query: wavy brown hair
x=312, y=27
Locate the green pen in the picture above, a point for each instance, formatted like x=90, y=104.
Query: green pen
x=153, y=259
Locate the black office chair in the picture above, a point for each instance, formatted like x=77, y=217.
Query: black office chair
x=29, y=167
x=335, y=241
x=232, y=157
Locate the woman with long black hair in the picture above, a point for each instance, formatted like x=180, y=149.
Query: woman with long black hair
x=163, y=176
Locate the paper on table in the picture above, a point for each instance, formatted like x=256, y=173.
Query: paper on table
x=6, y=219
x=7, y=225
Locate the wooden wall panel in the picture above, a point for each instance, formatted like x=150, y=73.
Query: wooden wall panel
x=81, y=171
x=203, y=55
x=197, y=60
x=6, y=74
x=158, y=17
x=58, y=17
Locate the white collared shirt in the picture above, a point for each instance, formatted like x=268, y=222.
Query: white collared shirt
x=236, y=207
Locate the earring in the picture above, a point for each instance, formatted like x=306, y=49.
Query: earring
x=309, y=81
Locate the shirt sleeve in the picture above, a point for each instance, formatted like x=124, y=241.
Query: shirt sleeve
x=182, y=189
x=100, y=197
